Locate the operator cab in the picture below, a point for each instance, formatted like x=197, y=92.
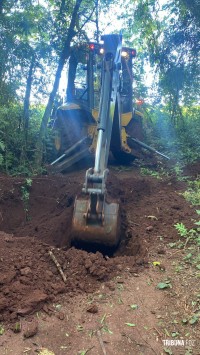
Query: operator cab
x=84, y=76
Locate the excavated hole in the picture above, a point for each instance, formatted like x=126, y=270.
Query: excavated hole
x=50, y=210
x=150, y=207
x=94, y=248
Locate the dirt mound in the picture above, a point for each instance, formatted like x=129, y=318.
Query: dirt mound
x=30, y=280
x=192, y=170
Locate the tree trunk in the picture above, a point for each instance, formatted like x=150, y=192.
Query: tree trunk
x=27, y=98
x=25, y=118
x=63, y=57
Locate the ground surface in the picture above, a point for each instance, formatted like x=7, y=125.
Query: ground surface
x=109, y=303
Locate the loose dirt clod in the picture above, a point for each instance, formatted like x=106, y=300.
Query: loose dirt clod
x=31, y=329
x=93, y=309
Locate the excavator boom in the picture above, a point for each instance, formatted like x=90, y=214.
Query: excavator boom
x=95, y=220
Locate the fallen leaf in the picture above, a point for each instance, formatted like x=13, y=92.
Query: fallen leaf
x=130, y=324
x=1, y=330
x=152, y=217
x=44, y=351
x=156, y=263
x=163, y=285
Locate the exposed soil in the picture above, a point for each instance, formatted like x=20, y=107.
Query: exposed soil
x=30, y=282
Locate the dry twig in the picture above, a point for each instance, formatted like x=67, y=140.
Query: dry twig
x=52, y=256
x=101, y=342
x=159, y=333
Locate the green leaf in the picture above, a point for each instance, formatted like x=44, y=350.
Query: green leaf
x=106, y=329
x=194, y=320
x=188, y=256
x=197, y=223
x=79, y=328
x=83, y=352
x=172, y=245
x=103, y=318
x=134, y=306
x=58, y=307
x=163, y=285
x=184, y=320
x=1, y=329
x=175, y=334
x=130, y=324
x=17, y=327
x=198, y=211
x=145, y=327
x=182, y=230
x=168, y=351
x=156, y=263
x=166, y=332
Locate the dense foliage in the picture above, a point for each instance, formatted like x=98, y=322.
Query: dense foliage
x=35, y=39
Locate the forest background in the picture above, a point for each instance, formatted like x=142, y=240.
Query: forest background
x=35, y=40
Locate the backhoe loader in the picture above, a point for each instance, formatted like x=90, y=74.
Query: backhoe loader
x=98, y=118
x=76, y=121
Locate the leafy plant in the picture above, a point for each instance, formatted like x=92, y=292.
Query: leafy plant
x=146, y=171
x=25, y=190
x=182, y=230
x=190, y=235
x=190, y=243
x=193, y=193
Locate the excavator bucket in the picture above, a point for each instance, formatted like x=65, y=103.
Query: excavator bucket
x=105, y=231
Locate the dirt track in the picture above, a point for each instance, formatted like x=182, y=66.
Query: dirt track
x=29, y=279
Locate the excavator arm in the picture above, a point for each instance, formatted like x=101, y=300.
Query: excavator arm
x=94, y=219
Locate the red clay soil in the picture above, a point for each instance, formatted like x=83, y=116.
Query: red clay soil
x=30, y=280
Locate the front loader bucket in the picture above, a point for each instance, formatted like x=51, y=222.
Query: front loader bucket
x=103, y=232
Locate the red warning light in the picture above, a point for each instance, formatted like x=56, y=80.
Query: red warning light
x=133, y=53
x=91, y=46
x=139, y=102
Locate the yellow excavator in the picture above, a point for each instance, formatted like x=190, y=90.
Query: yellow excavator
x=98, y=118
